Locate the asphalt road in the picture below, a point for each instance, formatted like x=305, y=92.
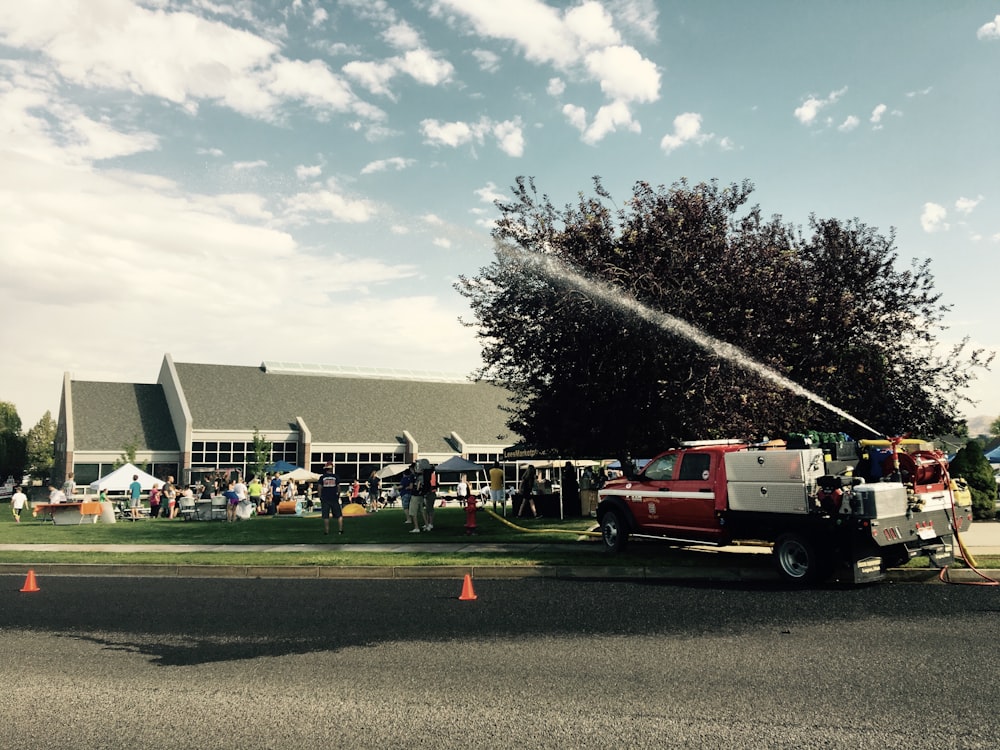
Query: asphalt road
x=539, y=663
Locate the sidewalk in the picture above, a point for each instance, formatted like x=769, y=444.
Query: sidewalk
x=982, y=538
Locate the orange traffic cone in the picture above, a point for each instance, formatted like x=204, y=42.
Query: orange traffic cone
x=468, y=594
x=29, y=583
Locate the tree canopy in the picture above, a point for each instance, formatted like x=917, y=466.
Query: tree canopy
x=829, y=309
x=13, y=449
x=40, y=453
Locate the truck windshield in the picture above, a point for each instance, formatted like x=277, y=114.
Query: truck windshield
x=661, y=468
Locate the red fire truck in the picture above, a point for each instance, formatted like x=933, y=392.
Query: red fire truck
x=873, y=505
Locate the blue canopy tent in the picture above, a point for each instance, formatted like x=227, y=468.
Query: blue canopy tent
x=280, y=467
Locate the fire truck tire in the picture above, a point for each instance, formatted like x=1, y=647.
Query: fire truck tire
x=799, y=559
x=613, y=531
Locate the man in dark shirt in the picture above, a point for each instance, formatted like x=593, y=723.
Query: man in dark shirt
x=329, y=498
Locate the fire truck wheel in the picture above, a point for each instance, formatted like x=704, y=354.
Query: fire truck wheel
x=798, y=559
x=613, y=531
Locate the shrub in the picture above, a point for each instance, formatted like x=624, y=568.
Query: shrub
x=970, y=464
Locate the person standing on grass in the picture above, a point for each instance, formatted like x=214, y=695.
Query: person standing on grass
x=428, y=489
x=168, y=501
x=154, y=501
x=254, y=492
x=69, y=487
x=17, y=502
x=232, y=500
x=329, y=498
x=275, y=498
x=467, y=498
x=497, y=494
x=406, y=487
x=374, y=490
x=134, y=493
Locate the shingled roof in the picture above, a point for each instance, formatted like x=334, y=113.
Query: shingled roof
x=109, y=416
x=342, y=409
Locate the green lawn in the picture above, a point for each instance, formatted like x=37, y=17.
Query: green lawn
x=526, y=542
x=384, y=527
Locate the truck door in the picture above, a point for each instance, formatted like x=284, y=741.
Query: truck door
x=692, y=497
x=645, y=496
x=675, y=496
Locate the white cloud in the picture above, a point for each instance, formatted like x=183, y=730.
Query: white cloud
x=581, y=39
x=687, y=129
x=555, y=87
x=806, y=112
x=442, y=242
x=326, y=205
x=243, y=166
x=319, y=17
x=592, y=26
x=990, y=29
x=537, y=28
x=510, y=137
x=933, y=218
x=396, y=163
x=508, y=134
x=640, y=16
x=173, y=55
x=424, y=67
x=433, y=219
x=488, y=61
x=966, y=205
x=304, y=172
x=448, y=133
x=877, y=113
x=576, y=116
x=609, y=119
x=402, y=36
x=489, y=194
x=848, y=124
x=920, y=92
x=421, y=65
x=374, y=76
x=624, y=74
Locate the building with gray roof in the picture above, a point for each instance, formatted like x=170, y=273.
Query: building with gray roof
x=201, y=418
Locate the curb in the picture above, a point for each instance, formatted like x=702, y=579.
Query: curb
x=360, y=572
x=457, y=572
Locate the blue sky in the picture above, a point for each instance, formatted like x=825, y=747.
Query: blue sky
x=233, y=182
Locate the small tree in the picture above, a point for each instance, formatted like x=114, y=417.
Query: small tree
x=41, y=456
x=995, y=427
x=971, y=465
x=261, y=453
x=127, y=456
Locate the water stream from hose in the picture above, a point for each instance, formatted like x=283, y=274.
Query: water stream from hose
x=615, y=297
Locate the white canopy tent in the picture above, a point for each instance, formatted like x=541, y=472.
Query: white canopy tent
x=120, y=479
x=300, y=475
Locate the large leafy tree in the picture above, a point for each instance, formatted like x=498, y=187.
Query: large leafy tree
x=12, y=443
x=585, y=316
x=40, y=452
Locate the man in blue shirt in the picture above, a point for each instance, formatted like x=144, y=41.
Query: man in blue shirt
x=329, y=498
